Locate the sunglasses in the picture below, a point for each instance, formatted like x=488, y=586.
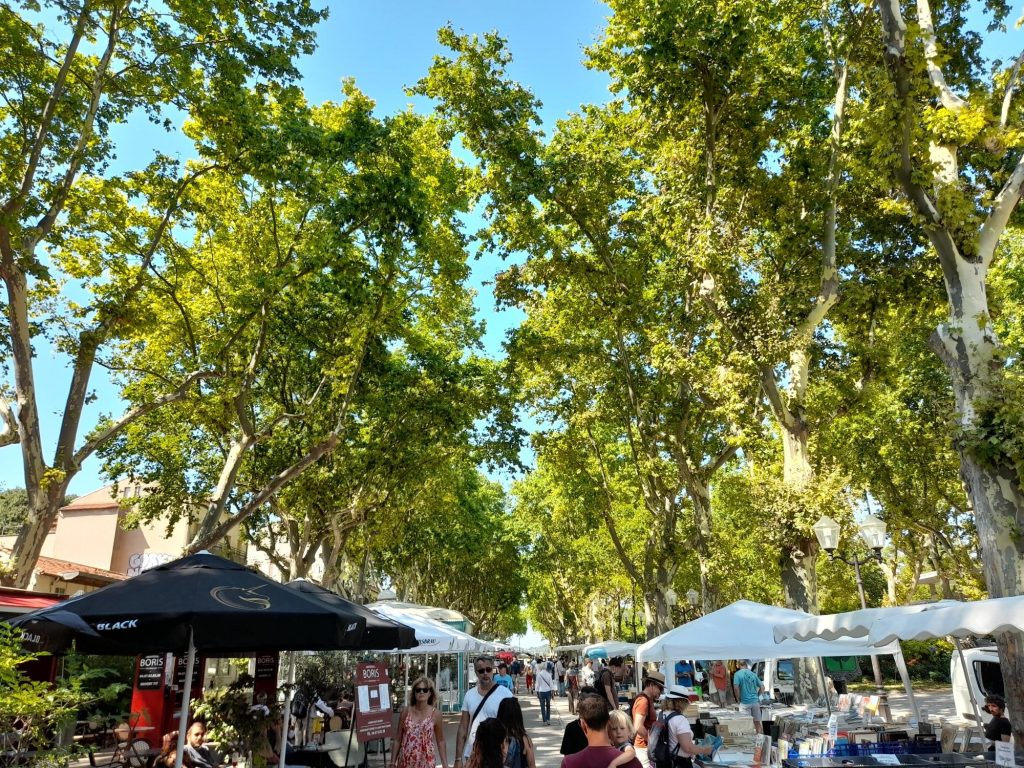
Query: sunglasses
x=484, y=670
x=421, y=690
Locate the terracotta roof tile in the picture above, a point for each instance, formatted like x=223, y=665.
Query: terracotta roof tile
x=51, y=566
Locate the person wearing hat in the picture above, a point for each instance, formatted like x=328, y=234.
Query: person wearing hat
x=644, y=715
x=680, y=735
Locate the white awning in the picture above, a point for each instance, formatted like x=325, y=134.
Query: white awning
x=849, y=624
x=432, y=636
x=980, y=617
x=745, y=630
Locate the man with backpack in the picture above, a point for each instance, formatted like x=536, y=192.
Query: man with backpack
x=480, y=703
x=643, y=714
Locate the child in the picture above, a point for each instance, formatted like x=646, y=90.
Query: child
x=620, y=731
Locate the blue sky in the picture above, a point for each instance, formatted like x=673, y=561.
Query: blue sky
x=386, y=46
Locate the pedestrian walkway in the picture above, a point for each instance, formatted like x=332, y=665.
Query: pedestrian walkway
x=546, y=738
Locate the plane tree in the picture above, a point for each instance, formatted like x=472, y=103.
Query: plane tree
x=79, y=232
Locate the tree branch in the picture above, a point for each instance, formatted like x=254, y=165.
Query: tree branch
x=91, y=339
x=9, y=435
x=999, y=216
x=50, y=108
x=43, y=226
x=771, y=390
x=949, y=100
x=101, y=437
x=1011, y=86
x=606, y=512
x=894, y=39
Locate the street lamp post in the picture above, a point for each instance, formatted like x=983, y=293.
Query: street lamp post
x=872, y=532
x=692, y=597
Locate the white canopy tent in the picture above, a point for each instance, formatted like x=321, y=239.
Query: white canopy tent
x=609, y=649
x=568, y=648
x=746, y=630
x=432, y=636
x=849, y=624
x=947, y=618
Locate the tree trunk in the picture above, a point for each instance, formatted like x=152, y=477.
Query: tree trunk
x=807, y=687
x=999, y=515
x=798, y=557
x=657, y=611
x=44, y=502
x=701, y=498
x=969, y=347
x=799, y=574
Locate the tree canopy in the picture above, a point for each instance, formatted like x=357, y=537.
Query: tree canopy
x=776, y=275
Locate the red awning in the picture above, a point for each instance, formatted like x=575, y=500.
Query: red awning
x=25, y=602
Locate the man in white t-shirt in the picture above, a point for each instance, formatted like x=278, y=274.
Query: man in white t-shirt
x=545, y=690
x=486, y=691
x=587, y=674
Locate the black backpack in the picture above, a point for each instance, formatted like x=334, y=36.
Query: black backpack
x=657, y=742
x=300, y=705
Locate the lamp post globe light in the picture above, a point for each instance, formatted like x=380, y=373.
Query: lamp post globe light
x=872, y=532
x=692, y=596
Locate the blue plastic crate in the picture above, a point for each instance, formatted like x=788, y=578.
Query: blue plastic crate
x=843, y=750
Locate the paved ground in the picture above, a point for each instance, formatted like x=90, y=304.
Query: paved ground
x=546, y=739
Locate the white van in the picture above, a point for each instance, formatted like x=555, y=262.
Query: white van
x=777, y=676
x=984, y=678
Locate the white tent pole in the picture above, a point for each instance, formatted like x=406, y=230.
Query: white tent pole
x=901, y=667
x=283, y=743
x=186, y=696
x=967, y=679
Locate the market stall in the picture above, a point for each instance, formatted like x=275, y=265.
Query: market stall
x=745, y=630
x=435, y=638
x=609, y=649
x=881, y=627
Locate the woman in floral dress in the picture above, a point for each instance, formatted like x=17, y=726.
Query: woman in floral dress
x=419, y=728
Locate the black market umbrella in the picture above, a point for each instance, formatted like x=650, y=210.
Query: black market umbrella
x=200, y=602
x=218, y=606
x=381, y=634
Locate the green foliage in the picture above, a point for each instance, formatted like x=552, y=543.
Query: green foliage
x=13, y=510
x=104, y=682
x=31, y=712
x=83, y=240
x=457, y=545
x=997, y=437
x=233, y=723
x=327, y=300
x=323, y=673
